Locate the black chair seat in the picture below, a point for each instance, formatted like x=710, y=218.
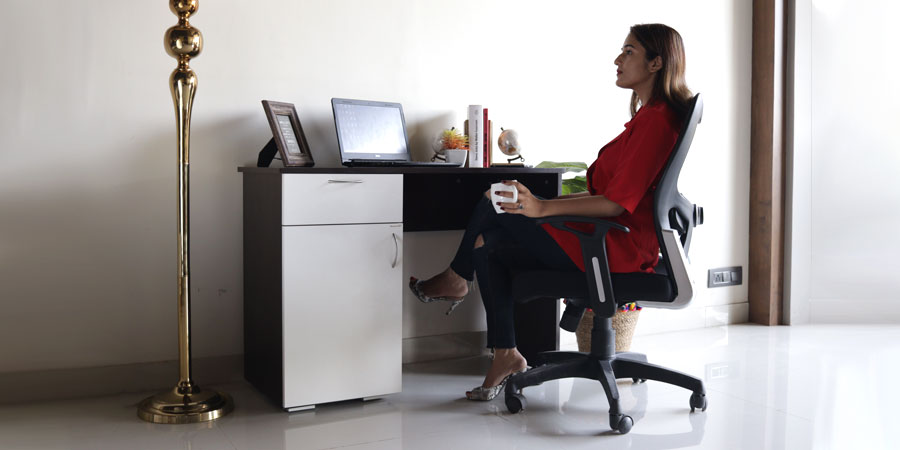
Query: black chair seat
x=627, y=287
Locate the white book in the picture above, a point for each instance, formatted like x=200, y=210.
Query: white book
x=476, y=136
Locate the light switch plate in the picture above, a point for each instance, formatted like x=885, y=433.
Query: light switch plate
x=725, y=276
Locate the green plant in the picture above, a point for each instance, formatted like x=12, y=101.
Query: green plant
x=452, y=139
x=572, y=185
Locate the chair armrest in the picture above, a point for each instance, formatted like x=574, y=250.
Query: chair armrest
x=601, y=226
x=596, y=265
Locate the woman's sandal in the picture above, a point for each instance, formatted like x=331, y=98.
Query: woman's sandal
x=486, y=394
x=415, y=285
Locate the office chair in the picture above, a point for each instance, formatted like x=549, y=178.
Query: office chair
x=670, y=287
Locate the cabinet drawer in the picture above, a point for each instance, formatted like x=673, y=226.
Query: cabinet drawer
x=323, y=199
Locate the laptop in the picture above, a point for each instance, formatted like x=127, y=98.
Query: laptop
x=373, y=134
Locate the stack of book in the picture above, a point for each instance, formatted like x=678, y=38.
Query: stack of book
x=480, y=132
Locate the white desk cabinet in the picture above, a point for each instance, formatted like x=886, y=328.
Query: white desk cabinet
x=322, y=295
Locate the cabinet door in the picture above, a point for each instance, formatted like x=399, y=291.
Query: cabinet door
x=342, y=312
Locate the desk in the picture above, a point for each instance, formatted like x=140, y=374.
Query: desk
x=433, y=199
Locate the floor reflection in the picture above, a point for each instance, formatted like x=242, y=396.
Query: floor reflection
x=792, y=388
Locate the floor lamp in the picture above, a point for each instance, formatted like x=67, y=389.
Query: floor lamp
x=186, y=402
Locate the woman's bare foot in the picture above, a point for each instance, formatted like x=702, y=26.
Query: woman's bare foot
x=445, y=284
x=506, y=362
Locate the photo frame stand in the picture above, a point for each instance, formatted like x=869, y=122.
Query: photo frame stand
x=267, y=154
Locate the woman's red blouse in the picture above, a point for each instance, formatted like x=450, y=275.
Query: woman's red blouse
x=626, y=172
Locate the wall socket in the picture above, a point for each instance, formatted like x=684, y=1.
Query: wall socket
x=725, y=276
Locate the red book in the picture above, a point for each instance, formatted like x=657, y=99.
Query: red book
x=487, y=156
x=490, y=143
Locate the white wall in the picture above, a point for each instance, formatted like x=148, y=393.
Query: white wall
x=855, y=158
x=87, y=231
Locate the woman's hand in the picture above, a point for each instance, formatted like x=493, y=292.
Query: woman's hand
x=581, y=204
x=527, y=204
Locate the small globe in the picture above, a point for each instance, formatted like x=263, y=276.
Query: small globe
x=437, y=145
x=508, y=142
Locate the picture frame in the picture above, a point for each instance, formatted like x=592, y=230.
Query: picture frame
x=287, y=134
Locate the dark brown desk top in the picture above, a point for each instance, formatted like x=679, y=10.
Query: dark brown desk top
x=417, y=170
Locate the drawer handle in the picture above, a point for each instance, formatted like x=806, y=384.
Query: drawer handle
x=345, y=181
x=396, y=251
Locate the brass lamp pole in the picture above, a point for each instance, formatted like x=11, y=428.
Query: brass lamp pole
x=185, y=403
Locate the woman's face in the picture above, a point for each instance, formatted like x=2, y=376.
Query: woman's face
x=633, y=69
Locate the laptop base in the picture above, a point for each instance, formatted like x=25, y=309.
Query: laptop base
x=375, y=163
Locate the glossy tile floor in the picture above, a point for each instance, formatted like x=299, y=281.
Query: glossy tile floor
x=783, y=387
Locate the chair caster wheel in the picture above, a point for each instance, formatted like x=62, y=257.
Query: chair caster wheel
x=515, y=403
x=620, y=423
x=698, y=401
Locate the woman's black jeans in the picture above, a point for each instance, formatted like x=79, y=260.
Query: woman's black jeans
x=511, y=242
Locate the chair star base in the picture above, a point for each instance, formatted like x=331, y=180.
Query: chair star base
x=606, y=366
x=558, y=365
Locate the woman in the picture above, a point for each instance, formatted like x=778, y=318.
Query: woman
x=620, y=188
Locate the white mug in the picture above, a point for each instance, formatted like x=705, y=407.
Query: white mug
x=457, y=157
x=496, y=198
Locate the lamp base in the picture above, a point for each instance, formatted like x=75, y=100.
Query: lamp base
x=176, y=408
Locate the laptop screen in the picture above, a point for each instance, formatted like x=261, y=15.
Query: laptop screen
x=370, y=130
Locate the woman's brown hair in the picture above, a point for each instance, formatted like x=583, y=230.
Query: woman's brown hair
x=670, y=85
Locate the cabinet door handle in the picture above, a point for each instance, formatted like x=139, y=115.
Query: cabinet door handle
x=345, y=181
x=396, y=251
